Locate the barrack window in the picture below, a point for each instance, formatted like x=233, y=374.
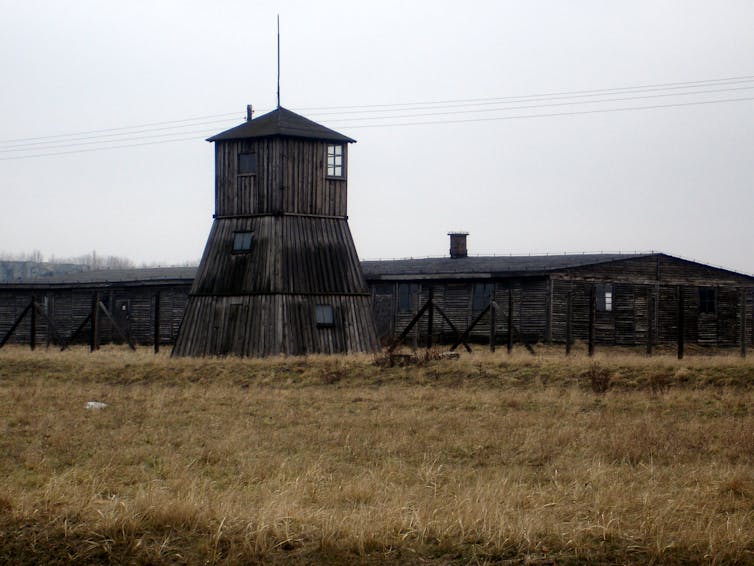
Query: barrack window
x=707, y=303
x=604, y=296
x=406, y=291
x=483, y=296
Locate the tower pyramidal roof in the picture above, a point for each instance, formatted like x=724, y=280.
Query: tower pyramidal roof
x=281, y=122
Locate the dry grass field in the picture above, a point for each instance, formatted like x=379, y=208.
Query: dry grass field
x=484, y=459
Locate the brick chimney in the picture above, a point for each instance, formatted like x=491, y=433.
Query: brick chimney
x=458, y=244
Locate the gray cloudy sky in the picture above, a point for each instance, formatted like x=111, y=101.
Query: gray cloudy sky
x=521, y=173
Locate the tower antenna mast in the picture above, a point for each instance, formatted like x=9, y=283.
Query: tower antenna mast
x=278, y=60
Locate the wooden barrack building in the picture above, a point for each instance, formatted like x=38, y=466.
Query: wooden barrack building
x=636, y=299
x=630, y=298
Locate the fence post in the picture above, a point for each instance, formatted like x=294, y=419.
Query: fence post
x=650, y=322
x=681, y=322
x=94, y=339
x=50, y=303
x=592, y=302
x=33, y=329
x=742, y=300
x=493, y=322
x=157, y=322
x=569, y=317
x=510, y=320
x=430, y=317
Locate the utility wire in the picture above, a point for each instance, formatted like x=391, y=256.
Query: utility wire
x=426, y=105
x=397, y=124
x=488, y=119
x=495, y=101
x=553, y=115
x=171, y=130
x=551, y=104
x=193, y=134
x=228, y=114
x=131, y=136
x=594, y=92
x=102, y=148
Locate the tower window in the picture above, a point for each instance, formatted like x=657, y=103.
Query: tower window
x=604, y=296
x=707, y=300
x=247, y=163
x=324, y=316
x=335, y=160
x=242, y=241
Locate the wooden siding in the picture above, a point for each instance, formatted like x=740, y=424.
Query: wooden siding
x=289, y=254
x=68, y=307
x=540, y=303
x=530, y=316
x=291, y=178
x=655, y=268
x=263, y=325
x=262, y=301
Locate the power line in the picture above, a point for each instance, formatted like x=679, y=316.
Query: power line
x=594, y=92
x=100, y=139
x=121, y=128
x=514, y=100
x=103, y=148
x=396, y=124
x=425, y=123
x=130, y=136
x=551, y=104
x=554, y=114
x=388, y=107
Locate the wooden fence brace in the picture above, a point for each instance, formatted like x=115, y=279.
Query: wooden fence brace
x=650, y=322
x=94, y=337
x=509, y=345
x=50, y=325
x=742, y=300
x=157, y=322
x=452, y=326
x=474, y=322
x=33, y=325
x=569, y=317
x=681, y=322
x=76, y=332
x=408, y=328
x=592, y=305
x=117, y=326
x=430, y=318
x=15, y=324
x=50, y=307
x=493, y=322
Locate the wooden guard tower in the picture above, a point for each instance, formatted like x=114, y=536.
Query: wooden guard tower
x=280, y=273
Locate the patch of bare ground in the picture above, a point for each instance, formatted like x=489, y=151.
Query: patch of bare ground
x=483, y=459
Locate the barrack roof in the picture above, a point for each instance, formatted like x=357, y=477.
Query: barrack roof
x=281, y=122
x=495, y=265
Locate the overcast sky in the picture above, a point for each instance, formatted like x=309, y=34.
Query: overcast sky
x=547, y=126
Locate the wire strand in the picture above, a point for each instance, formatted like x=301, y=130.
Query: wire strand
x=388, y=107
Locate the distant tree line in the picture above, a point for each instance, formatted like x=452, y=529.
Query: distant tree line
x=91, y=260
x=33, y=265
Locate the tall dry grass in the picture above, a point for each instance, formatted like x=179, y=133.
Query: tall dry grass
x=487, y=458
